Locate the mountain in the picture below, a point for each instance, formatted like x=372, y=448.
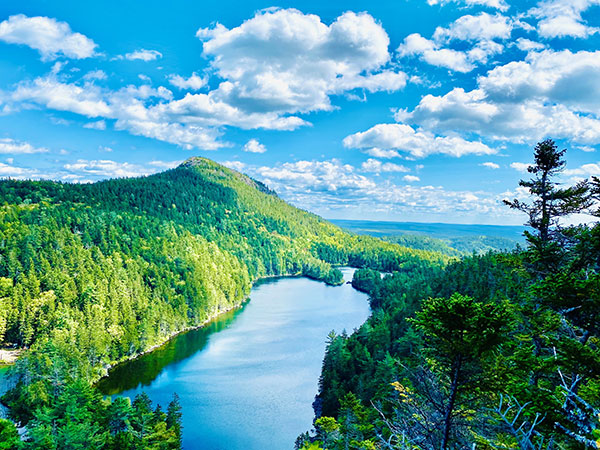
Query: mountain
x=112, y=268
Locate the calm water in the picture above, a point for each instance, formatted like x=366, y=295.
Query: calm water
x=248, y=380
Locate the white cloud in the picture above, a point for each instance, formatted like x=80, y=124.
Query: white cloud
x=416, y=45
x=561, y=18
x=548, y=94
x=417, y=144
x=585, y=170
x=497, y=4
x=235, y=165
x=98, y=125
x=586, y=148
x=527, y=45
x=329, y=187
x=382, y=153
x=194, y=82
x=10, y=146
x=10, y=171
x=481, y=32
x=562, y=76
x=315, y=176
x=86, y=100
x=276, y=64
x=128, y=106
x=490, y=165
x=143, y=55
x=104, y=168
x=411, y=178
x=481, y=27
x=520, y=166
x=163, y=165
x=93, y=75
x=49, y=37
x=374, y=165
x=253, y=146
x=284, y=61
x=187, y=136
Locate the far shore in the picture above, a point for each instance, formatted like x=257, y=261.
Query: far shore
x=8, y=356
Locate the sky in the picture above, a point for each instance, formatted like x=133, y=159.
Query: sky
x=420, y=110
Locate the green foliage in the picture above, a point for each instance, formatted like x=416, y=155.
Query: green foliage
x=9, y=437
x=497, y=350
x=92, y=274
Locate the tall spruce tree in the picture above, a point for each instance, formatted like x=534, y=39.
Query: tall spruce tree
x=549, y=203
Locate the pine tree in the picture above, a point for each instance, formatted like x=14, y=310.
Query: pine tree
x=550, y=203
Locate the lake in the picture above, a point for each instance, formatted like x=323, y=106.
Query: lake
x=248, y=379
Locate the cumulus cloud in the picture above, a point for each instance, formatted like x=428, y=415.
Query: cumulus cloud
x=417, y=144
x=520, y=166
x=284, y=61
x=235, y=165
x=253, y=146
x=562, y=18
x=481, y=31
x=273, y=66
x=93, y=75
x=143, y=55
x=556, y=76
x=97, y=125
x=430, y=51
x=382, y=153
x=48, y=36
x=585, y=170
x=528, y=45
x=12, y=147
x=21, y=173
x=548, y=93
x=193, y=83
x=497, y=4
x=374, y=165
x=339, y=187
x=490, y=165
x=480, y=27
x=48, y=91
x=104, y=168
x=316, y=176
x=127, y=105
x=165, y=164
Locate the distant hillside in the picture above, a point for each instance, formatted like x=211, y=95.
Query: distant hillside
x=450, y=239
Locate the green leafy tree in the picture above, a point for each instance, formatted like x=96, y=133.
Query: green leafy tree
x=9, y=436
x=460, y=333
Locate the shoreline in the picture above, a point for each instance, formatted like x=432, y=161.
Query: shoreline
x=107, y=368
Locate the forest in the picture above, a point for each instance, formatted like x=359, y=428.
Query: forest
x=499, y=350
x=489, y=350
x=94, y=274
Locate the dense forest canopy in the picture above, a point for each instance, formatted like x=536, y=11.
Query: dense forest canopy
x=499, y=350
x=92, y=274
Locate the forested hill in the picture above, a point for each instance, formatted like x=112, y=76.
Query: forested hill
x=92, y=274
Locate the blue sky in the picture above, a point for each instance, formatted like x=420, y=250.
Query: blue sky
x=422, y=110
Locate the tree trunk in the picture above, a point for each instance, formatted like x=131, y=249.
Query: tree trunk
x=450, y=407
